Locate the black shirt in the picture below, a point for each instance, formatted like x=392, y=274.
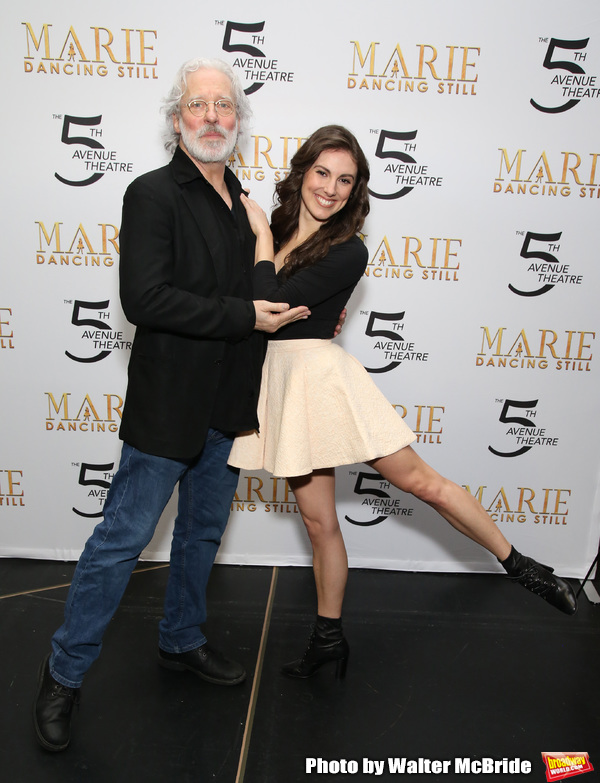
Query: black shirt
x=239, y=368
x=324, y=287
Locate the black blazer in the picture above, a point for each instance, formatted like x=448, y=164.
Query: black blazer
x=173, y=283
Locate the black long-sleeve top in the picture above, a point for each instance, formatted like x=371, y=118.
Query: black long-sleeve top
x=324, y=287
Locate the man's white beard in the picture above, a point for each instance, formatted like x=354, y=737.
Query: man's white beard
x=209, y=151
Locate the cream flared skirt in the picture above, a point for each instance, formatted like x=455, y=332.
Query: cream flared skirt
x=318, y=408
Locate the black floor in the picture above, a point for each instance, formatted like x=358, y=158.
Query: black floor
x=442, y=667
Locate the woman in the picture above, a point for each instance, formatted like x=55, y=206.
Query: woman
x=319, y=408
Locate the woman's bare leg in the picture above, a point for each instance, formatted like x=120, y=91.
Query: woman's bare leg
x=407, y=471
x=315, y=496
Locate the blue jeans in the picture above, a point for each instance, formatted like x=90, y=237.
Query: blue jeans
x=139, y=492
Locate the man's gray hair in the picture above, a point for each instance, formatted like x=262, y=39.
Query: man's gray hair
x=172, y=103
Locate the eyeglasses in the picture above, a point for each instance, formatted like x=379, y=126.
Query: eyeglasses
x=199, y=107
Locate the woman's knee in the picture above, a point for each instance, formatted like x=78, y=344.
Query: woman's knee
x=432, y=489
x=321, y=529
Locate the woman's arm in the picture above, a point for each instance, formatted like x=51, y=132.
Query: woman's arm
x=259, y=224
x=342, y=268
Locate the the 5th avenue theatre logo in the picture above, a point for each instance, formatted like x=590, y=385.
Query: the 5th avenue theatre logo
x=417, y=68
x=254, y=67
x=434, y=258
x=95, y=480
x=396, y=172
x=376, y=503
x=128, y=52
x=568, y=83
x=11, y=490
x=97, y=339
x=524, y=431
x=544, y=267
x=90, y=160
x=390, y=348
x=542, y=349
x=80, y=247
x=548, y=174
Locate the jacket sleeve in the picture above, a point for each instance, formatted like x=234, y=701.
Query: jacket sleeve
x=341, y=268
x=150, y=295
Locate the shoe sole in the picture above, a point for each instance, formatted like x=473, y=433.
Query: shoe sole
x=182, y=667
x=341, y=664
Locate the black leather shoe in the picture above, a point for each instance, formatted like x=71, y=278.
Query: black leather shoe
x=540, y=579
x=207, y=663
x=52, y=710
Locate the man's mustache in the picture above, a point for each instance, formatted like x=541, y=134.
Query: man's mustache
x=211, y=129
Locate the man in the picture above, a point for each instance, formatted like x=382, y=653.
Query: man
x=186, y=258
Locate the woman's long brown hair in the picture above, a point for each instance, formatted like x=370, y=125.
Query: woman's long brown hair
x=339, y=228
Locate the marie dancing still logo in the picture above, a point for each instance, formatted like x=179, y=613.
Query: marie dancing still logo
x=545, y=269
x=53, y=51
x=413, y=68
x=128, y=53
x=78, y=247
x=264, y=157
x=568, y=83
x=11, y=491
x=543, y=506
x=542, y=349
x=561, y=765
x=548, y=174
x=81, y=413
x=424, y=420
x=254, y=67
x=271, y=495
x=435, y=258
x=6, y=331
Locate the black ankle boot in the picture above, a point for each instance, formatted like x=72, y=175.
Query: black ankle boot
x=540, y=579
x=326, y=644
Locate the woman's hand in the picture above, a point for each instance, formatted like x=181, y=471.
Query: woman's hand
x=257, y=218
x=259, y=224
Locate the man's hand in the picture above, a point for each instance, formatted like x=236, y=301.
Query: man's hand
x=340, y=323
x=271, y=316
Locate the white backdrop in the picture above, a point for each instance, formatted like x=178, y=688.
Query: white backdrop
x=478, y=313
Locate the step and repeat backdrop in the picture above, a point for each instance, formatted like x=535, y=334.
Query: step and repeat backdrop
x=478, y=313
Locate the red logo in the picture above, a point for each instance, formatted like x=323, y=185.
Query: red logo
x=560, y=765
